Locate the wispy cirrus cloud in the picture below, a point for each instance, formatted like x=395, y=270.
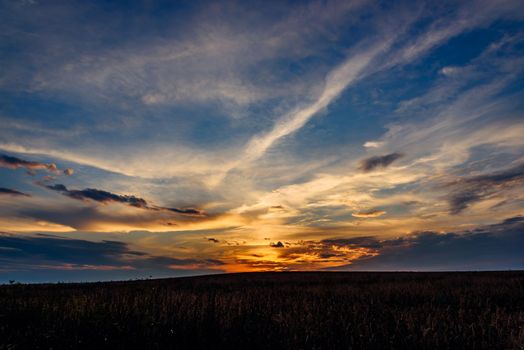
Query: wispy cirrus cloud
x=212, y=61
x=357, y=66
x=335, y=82
x=113, y=69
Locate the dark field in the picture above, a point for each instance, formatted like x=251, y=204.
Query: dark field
x=271, y=311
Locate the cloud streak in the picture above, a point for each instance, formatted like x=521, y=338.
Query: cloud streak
x=477, y=188
x=108, y=197
x=336, y=81
x=369, y=214
x=10, y=192
x=16, y=163
x=377, y=162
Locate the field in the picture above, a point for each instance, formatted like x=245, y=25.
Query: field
x=314, y=310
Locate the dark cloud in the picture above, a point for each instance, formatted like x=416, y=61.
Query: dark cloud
x=88, y=218
x=45, y=253
x=52, y=250
x=15, y=163
x=477, y=188
x=277, y=245
x=7, y=191
x=214, y=240
x=83, y=218
x=492, y=247
x=155, y=261
x=372, y=163
x=99, y=196
x=108, y=197
x=187, y=211
x=369, y=214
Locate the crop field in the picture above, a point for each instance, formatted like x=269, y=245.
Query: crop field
x=311, y=310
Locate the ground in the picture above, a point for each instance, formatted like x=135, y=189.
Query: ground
x=313, y=310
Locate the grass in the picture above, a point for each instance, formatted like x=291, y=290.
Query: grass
x=314, y=310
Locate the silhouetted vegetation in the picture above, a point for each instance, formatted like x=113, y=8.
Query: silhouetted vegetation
x=271, y=311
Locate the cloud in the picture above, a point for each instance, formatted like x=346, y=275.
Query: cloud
x=99, y=196
x=108, y=197
x=15, y=163
x=69, y=171
x=211, y=53
x=372, y=163
x=7, y=191
x=277, y=245
x=43, y=254
x=372, y=144
x=311, y=255
x=492, y=247
x=146, y=79
x=355, y=242
x=369, y=214
x=50, y=250
x=348, y=72
x=356, y=66
x=214, y=240
x=353, y=69
x=450, y=71
x=187, y=211
x=477, y=188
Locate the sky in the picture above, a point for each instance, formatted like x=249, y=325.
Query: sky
x=146, y=139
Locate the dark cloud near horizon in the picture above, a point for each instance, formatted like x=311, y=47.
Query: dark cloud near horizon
x=15, y=163
x=108, y=197
x=55, y=250
x=11, y=192
x=277, y=245
x=477, y=188
x=372, y=163
x=44, y=253
x=214, y=240
x=491, y=247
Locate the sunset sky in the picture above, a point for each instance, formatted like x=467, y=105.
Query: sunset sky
x=170, y=138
